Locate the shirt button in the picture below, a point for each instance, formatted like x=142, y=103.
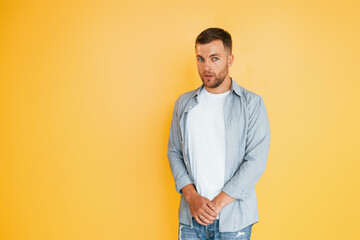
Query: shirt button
x=190, y=106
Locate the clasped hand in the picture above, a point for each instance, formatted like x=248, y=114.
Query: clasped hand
x=203, y=210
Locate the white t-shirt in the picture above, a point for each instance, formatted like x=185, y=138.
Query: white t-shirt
x=205, y=134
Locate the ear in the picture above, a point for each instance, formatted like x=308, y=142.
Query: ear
x=230, y=60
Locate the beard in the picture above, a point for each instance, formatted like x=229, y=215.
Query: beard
x=214, y=81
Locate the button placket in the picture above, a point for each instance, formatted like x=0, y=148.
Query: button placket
x=181, y=138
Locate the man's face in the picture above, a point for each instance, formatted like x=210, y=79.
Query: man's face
x=213, y=63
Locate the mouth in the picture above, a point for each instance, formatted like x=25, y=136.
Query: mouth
x=208, y=75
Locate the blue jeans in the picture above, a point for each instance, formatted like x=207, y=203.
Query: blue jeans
x=211, y=232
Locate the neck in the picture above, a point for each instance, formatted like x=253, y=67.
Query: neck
x=223, y=87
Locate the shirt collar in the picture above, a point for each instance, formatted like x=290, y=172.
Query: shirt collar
x=234, y=88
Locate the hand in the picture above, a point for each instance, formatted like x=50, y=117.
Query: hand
x=202, y=209
x=217, y=204
x=221, y=200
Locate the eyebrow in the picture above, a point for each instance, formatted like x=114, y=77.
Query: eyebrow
x=214, y=54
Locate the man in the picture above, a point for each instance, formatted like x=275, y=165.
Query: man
x=218, y=147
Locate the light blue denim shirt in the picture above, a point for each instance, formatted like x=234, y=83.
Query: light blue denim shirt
x=247, y=147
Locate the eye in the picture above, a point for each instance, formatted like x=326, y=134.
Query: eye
x=215, y=58
x=200, y=59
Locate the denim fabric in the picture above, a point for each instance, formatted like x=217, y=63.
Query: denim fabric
x=211, y=232
x=247, y=148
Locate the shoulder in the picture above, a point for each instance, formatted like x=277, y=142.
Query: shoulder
x=253, y=102
x=247, y=97
x=251, y=98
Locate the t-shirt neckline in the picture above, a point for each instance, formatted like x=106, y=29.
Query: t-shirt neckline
x=215, y=94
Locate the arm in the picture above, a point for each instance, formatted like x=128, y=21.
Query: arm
x=201, y=208
x=175, y=156
x=256, y=152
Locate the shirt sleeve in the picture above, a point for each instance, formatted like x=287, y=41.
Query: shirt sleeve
x=175, y=155
x=256, y=152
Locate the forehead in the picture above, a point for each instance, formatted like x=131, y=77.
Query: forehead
x=216, y=46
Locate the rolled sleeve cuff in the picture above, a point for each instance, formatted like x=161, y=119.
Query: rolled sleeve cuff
x=182, y=182
x=234, y=192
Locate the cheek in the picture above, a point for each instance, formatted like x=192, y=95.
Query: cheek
x=220, y=67
x=224, y=66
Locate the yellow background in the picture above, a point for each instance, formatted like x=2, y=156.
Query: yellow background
x=87, y=92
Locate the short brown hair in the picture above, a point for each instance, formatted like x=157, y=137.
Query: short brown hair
x=211, y=34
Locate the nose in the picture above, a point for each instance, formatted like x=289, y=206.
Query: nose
x=207, y=65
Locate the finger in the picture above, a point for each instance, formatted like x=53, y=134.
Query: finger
x=203, y=218
x=211, y=205
x=206, y=217
x=211, y=213
x=211, y=209
x=198, y=219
